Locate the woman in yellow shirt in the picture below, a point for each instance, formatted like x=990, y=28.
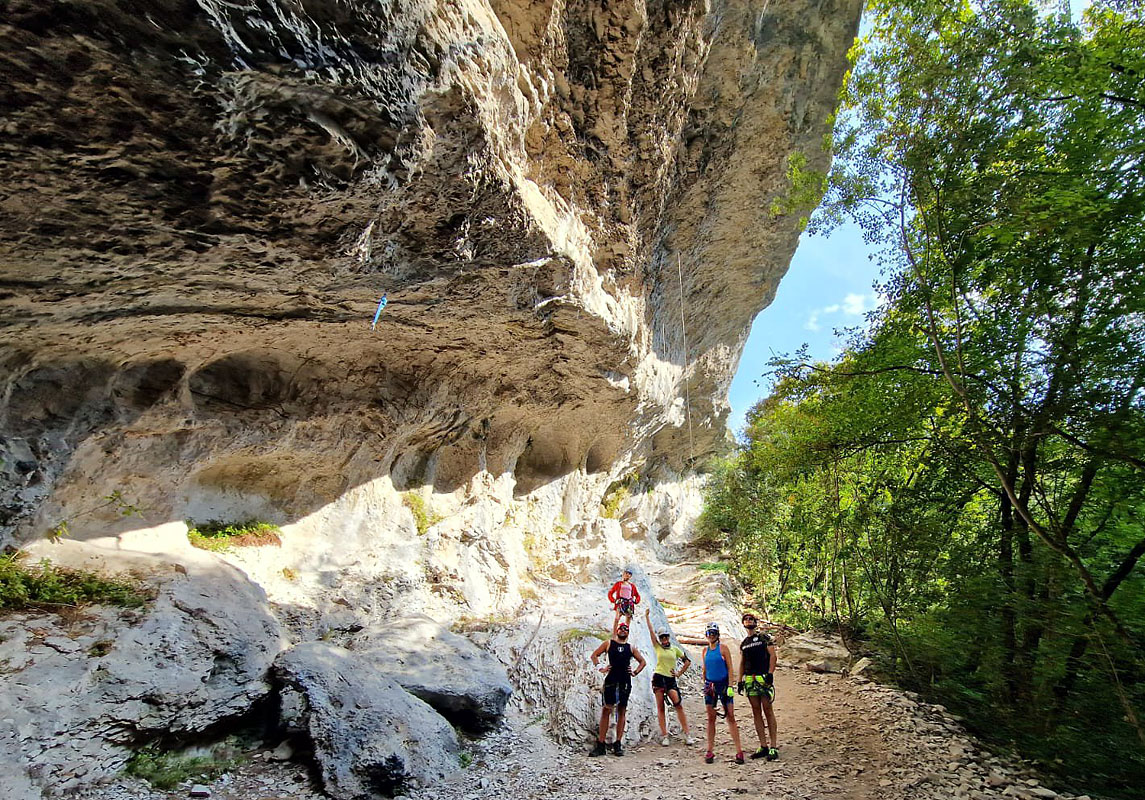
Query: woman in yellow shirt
x=664, y=676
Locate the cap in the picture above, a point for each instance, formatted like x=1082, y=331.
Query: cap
x=627, y=569
x=622, y=625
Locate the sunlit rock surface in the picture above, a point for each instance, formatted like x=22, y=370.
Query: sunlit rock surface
x=203, y=203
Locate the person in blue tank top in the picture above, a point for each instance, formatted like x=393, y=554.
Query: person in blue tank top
x=719, y=677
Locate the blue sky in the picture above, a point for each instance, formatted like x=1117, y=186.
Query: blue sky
x=828, y=287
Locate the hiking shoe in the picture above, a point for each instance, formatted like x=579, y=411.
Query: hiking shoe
x=665, y=741
x=597, y=749
x=689, y=739
x=709, y=757
x=617, y=749
x=773, y=754
x=760, y=753
x=739, y=757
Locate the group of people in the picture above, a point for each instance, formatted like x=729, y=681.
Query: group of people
x=756, y=678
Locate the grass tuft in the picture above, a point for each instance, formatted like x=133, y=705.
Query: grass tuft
x=572, y=634
x=219, y=537
x=423, y=517
x=165, y=771
x=49, y=587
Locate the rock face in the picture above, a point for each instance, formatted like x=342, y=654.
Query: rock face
x=216, y=198
x=463, y=683
x=371, y=738
x=818, y=652
x=76, y=695
x=202, y=204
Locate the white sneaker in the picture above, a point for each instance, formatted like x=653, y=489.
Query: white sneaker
x=665, y=741
x=689, y=739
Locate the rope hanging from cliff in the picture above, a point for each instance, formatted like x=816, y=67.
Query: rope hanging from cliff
x=687, y=368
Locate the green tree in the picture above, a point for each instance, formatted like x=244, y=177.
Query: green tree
x=965, y=483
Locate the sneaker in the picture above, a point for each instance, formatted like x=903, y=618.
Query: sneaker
x=772, y=754
x=665, y=741
x=760, y=753
x=739, y=757
x=709, y=757
x=689, y=739
x=597, y=749
x=617, y=749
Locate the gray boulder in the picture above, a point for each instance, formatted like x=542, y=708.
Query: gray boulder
x=79, y=695
x=819, y=652
x=371, y=738
x=466, y=685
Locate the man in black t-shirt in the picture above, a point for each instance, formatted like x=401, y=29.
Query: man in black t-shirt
x=618, y=674
x=758, y=684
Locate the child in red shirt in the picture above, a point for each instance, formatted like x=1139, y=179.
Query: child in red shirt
x=624, y=597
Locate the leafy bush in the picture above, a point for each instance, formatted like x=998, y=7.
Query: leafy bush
x=165, y=771
x=48, y=586
x=715, y=566
x=218, y=537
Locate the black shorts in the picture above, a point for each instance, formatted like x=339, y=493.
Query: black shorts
x=616, y=694
x=665, y=682
x=717, y=692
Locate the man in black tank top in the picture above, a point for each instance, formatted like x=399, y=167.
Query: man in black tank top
x=759, y=684
x=617, y=685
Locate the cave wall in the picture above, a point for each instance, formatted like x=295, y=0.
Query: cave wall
x=202, y=204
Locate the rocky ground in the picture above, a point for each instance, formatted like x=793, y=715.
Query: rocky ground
x=839, y=738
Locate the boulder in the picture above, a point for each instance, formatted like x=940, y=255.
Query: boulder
x=371, y=738
x=820, y=652
x=79, y=695
x=466, y=685
x=861, y=666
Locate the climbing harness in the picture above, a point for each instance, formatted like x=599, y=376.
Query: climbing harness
x=381, y=304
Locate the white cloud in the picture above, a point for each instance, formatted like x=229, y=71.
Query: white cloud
x=856, y=304
x=853, y=305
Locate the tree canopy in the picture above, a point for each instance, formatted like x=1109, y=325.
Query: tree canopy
x=965, y=483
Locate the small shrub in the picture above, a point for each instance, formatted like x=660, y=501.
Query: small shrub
x=464, y=758
x=219, y=537
x=165, y=771
x=423, y=517
x=572, y=634
x=610, y=508
x=116, y=499
x=47, y=586
x=715, y=566
x=290, y=574
x=100, y=648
